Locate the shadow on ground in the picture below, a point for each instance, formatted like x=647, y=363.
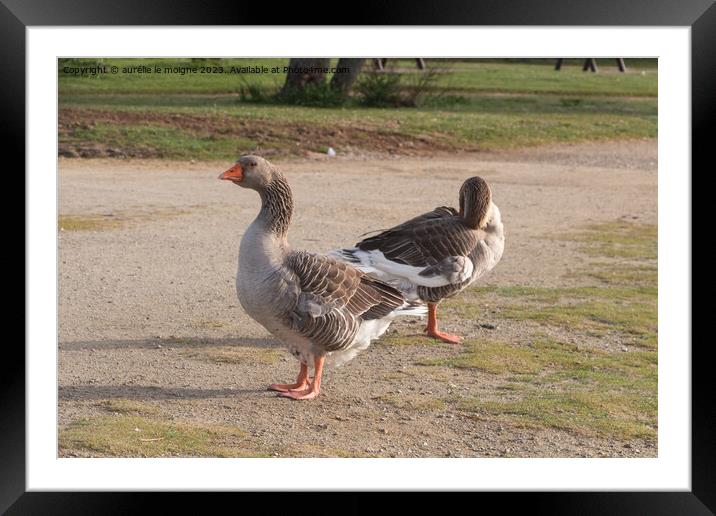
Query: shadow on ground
x=149, y=392
x=168, y=342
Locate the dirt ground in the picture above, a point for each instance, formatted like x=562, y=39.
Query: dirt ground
x=148, y=309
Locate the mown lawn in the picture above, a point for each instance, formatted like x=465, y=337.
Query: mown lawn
x=468, y=106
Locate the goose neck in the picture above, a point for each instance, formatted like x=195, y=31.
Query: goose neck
x=276, y=206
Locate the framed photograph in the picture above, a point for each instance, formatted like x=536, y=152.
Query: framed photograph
x=557, y=145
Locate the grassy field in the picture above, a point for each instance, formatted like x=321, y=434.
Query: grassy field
x=555, y=376
x=465, y=106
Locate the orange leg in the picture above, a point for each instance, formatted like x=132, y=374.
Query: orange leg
x=301, y=382
x=432, y=327
x=314, y=387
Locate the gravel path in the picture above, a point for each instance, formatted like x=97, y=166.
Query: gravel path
x=146, y=293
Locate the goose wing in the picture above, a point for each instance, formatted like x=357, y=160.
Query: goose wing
x=332, y=299
x=431, y=250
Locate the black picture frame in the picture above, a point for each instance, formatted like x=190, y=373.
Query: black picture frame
x=700, y=15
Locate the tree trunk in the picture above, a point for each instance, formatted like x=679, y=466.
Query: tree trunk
x=304, y=71
x=343, y=80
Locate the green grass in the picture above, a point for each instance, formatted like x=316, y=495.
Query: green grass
x=552, y=360
x=583, y=412
x=619, y=239
x=543, y=79
x=626, y=301
x=278, y=130
x=162, y=142
x=620, y=274
x=560, y=385
x=466, y=77
x=164, y=83
x=470, y=106
x=630, y=250
x=548, y=383
x=629, y=310
x=128, y=435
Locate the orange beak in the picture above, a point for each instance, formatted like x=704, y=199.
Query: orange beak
x=235, y=174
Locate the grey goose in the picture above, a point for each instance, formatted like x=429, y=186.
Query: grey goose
x=436, y=255
x=320, y=307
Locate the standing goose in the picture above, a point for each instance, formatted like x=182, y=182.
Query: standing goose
x=437, y=254
x=319, y=306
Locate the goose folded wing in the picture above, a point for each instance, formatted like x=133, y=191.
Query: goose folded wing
x=432, y=251
x=438, y=213
x=332, y=298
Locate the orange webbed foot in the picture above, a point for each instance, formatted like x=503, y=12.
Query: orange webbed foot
x=288, y=387
x=309, y=393
x=445, y=337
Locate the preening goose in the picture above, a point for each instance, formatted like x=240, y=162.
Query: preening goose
x=320, y=307
x=437, y=254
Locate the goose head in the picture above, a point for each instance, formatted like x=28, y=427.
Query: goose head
x=475, y=202
x=250, y=172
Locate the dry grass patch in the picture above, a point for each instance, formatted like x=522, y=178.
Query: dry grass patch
x=604, y=414
x=560, y=385
x=106, y=221
x=619, y=239
x=88, y=222
x=630, y=310
x=124, y=435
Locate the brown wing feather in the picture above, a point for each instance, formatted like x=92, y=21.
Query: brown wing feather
x=334, y=298
x=425, y=240
x=436, y=294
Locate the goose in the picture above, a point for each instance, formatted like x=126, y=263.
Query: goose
x=322, y=308
x=436, y=255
